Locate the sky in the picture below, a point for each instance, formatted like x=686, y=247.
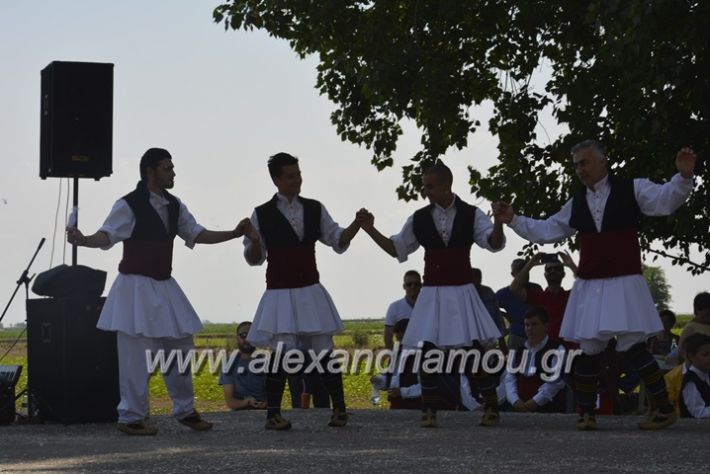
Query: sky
x=221, y=102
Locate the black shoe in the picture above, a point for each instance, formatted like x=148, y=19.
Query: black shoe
x=137, y=428
x=277, y=423
x=196, y=422
x=338, y=419
x=587, y=422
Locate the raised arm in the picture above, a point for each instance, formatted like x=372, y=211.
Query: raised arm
x=335, y=236
x=217, y=236
x=253, y=246
x=663, y=199
x=519, y=285
x=348, y=234
x=568, y=262
x=541, y=231
x=486, y=234
x=496, y=239
x=366, y=220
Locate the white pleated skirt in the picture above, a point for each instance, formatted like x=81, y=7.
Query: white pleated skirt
x=606, y=307
x=141, y=306
x=304, y=318
x=449, y=317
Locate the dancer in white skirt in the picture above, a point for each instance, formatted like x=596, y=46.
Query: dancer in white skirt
x=295, y=312
x=145, y=306
x=610, y=298
x=448, y=313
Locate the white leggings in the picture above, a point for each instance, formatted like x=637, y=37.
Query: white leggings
x=134, y=376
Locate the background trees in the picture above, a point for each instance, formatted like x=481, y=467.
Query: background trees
x=635, y=74
x=660, y=289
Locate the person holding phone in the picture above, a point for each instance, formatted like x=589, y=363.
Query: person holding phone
x=610, y=297
x=554, y=297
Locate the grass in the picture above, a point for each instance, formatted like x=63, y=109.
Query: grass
x=208, y=393
x=359, y=334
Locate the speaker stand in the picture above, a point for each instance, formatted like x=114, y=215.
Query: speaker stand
x=75, y=200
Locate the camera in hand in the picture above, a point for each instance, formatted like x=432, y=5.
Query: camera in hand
x=549, y=258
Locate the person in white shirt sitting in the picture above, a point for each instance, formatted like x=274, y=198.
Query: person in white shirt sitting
x=529, y=384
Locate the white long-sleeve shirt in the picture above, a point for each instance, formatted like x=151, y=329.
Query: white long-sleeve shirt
x=413, y=391
x=406, y=242
x=293, y=212
x=691, y=396
x=547, y=390
x=121, y=221
x=653, y=200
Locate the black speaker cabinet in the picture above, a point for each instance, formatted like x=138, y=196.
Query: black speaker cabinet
x=9, y=375
x=76, y=125
x=72, y=367
x=7, y=403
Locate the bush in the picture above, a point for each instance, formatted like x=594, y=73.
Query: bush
x=361, y=339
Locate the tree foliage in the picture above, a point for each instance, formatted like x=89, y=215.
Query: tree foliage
x=634, y=74
x=660, y=289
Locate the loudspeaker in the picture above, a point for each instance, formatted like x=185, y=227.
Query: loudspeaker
x=9, y=375
x=7, y=403
x=67, y=281
x=76, y=125
x=72, y=374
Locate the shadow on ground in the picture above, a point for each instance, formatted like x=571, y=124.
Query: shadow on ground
x=373, y=441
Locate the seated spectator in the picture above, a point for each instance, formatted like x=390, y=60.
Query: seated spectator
x=699, y=325
x=402, y=308
x=526, y=391
x=662, y=343
x=701, y=322
x=403, y=388
x=243, y=389
x=695, y=390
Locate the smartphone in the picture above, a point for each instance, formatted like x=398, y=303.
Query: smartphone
x=549, y=258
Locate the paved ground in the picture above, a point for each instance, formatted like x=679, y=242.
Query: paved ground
x=374, y=441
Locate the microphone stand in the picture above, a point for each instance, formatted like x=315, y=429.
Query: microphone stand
x=24, y=279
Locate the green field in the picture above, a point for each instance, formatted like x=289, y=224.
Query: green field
x=359, y=334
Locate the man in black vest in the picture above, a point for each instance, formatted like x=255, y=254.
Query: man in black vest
x=448, y=313
x=145, y=306
x=610, y=298
x=295, y=312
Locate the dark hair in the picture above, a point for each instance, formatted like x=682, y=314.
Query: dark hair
x=151, y=158
x=412, y=272
x=668, y=314
x=278, y=161
x=400, y=326
x=441, y=171
x=694, y=342
x=701, y=301
x=537, y=312
x=241, y=325
x=476, y=272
